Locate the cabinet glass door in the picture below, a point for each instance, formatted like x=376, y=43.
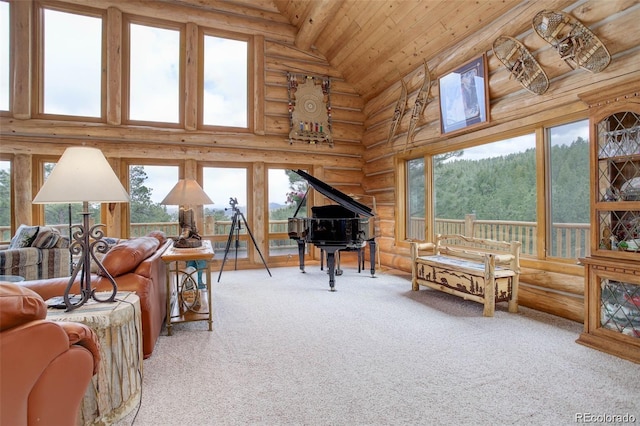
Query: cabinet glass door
x=620, y=307
x=618, y=179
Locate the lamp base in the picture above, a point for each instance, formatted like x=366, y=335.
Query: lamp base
x=57, y=302
x=187, y=243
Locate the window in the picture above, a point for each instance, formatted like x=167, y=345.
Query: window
x=488, y=191
x=148, y=185
x=225, y=82
x=154, y=74
x=227, y=188
x=5, y=68
x=568, y=158
x=72, y=75
x=5, y=201
x=415, y=199
x=286, y=192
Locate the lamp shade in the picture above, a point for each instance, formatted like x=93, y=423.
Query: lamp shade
x=187, y=192
x=82, y=174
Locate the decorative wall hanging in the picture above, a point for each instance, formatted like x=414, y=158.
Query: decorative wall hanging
x=399, y=111
x=421, y=103
x=521, y=64
x=464, y=99
x=576, y=44
x=309, y=109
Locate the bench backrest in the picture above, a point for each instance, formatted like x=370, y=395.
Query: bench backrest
x=505, y=253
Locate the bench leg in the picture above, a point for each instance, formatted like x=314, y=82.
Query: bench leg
x=513, y=302
x=490, y=287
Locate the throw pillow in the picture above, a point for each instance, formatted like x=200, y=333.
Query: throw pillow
x=111, y=242
x=24, y=237
x=128, y=254
x=161, y=236
x=46, y=238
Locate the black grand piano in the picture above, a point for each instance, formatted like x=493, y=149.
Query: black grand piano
x=345, y=226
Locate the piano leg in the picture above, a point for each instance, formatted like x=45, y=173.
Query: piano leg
x=331, y=266
x=301, y=247
x=372, y=256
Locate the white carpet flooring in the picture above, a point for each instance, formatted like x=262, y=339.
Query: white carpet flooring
x=286, y=351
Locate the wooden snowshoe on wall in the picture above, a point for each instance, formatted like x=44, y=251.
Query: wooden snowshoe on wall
x=521, y=64
x=577, y=45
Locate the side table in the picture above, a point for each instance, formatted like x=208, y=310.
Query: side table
x=116, y=389
x=199, y=259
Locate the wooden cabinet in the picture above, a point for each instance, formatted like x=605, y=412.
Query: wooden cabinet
x=612, y=275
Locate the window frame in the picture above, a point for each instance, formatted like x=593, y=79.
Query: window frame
x=202, y=32
x=127, y=20
x=280, y=235
x=448, y=145
x=38, y=65
x=242, y=237
x=125, y=179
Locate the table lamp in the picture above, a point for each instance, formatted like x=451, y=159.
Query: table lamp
x=187, y=192
x=83, y=175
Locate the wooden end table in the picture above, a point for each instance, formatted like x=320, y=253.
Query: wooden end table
x=177, y=309
x=116, y=389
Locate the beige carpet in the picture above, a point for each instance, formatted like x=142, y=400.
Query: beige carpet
x=286, y=351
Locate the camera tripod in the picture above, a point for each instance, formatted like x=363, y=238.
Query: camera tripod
x=234, y=234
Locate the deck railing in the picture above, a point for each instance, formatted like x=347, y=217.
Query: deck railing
x=568, y=240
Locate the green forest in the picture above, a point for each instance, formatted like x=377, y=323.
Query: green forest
x=504, y=187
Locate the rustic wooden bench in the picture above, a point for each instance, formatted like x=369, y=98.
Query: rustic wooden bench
x=485, y=271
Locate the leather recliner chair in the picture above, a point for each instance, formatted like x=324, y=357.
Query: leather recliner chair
x=45, y=366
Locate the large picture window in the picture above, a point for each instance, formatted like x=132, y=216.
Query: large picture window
x=71, y=81
x=415, y=199
x=286, y=194
x=154, y=74
x=492, y=191
x=488, y=191
x=227, y=188
x=225, y=82
x=148, y=185
x=568, y=159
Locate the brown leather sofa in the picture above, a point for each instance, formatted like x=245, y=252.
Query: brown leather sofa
x=45, y=366
x=136, y=266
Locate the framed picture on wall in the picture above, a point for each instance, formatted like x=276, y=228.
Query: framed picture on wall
x=464, y=96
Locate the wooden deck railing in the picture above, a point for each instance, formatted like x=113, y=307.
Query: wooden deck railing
x=568, y=240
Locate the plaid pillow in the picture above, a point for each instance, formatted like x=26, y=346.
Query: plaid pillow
x=24, y=237
x=47, y=238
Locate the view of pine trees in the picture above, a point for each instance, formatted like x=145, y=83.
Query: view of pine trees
x=504, y=187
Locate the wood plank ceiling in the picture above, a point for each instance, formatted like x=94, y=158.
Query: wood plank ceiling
x=373, y=43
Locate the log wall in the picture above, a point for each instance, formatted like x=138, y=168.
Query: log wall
x=554, y=288
x=26, y=136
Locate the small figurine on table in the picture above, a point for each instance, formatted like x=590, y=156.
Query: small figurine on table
x=189, y=236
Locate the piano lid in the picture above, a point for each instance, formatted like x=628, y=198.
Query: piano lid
x=333, y=194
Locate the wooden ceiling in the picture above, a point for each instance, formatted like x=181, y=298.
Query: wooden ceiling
x=372, y=44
